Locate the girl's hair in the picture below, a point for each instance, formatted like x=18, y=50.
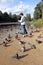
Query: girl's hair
x=21, y=14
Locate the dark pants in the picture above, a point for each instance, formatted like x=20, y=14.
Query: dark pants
x=24, y=31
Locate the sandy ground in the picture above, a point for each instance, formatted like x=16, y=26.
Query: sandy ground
x=29, y=57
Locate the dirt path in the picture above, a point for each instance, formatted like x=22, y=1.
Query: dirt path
x=30, y=57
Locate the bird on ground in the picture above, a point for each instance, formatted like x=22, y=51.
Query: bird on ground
x=38, y=41
x=9, y=36
x=30, y=34
x=16, y=36
x=16, y=56
x=5, y=43
x=21, y=42
x=37, y=30
x=32, y=46
x=8, y=39
x=39, y=36
x=22, y=49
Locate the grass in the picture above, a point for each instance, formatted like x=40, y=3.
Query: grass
x=37, y=23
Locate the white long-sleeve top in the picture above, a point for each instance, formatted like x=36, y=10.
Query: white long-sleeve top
x=23, y=20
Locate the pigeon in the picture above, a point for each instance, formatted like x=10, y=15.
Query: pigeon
x=24, y=36
x=30, y=34
x=32, y=46
x=37, y=30
x=16, y=56
x=9, y=36
x=16, y=36
x=5, y=43
x=21, y=42
x=32, y=26
x=38, y=41
x=16, y=32
x=22, y=49
x=32, y=31
x=39, y=36
x=8, y=39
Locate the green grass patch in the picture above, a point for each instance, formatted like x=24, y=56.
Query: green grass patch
x=37, y=23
